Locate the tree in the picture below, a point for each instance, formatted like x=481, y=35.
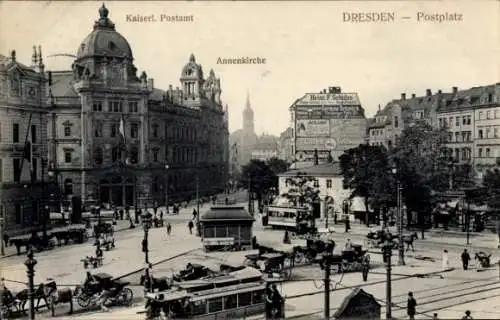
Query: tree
x=366, y=172
x=423, y=167
x=257, y=178
x=491, y=181
x=277, y=166
x=301, y=190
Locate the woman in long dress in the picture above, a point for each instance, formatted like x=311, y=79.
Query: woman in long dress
x=446, y=261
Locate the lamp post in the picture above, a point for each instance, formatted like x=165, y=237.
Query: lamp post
x=401, y=249
x=30, y=264
x=387, y=251
x=146, y=223
x=198, y=231
x=166, y=188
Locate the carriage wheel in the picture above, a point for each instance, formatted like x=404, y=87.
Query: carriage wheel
x=83, y=300
x=126, y=297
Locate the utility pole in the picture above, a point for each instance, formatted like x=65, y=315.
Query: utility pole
x=198, y=206
x=327, y=264
x=388, y=288
x=401, y=248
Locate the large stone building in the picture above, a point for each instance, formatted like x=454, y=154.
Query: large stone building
x=265, y=148
x=326, y=124
x=172, y=138
x=22, y=118
x=285, y=145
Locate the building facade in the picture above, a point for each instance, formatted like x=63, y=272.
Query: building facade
x=116, y=138
x=326, y=124
x=22, y=119
x=285, y=145
x=265, y=148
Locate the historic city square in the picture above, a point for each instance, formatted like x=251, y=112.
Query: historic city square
x=280, y=184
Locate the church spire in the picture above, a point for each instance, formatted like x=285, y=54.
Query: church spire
x=247, y=104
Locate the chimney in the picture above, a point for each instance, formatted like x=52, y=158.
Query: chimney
x=455, y=89
x=428, y=92
x=413, y=96
x=151, y=84
x=403, y=96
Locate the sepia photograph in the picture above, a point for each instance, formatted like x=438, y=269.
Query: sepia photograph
x=250, y=160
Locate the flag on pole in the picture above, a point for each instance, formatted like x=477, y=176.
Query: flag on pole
x=122, y=144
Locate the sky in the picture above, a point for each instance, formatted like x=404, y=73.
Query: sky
x=307, y=46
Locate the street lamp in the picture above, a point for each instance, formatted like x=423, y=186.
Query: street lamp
x=166, y=189
x=146, y=223
x=30, y=264
x=401, y=248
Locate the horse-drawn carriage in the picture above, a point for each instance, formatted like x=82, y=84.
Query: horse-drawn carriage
x=313, y=250
x=483, y=258
x=272, y=264
x=91, y=261
x=34, y=240
x=157, y=222
x=76, y=233
x=376, y=239
x=350, y=259
x=105, y=289
x=192, y=271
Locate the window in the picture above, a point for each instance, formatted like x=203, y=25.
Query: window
x=316, y=183
x=497, y=114
x=488, y=114
x=155, y=130
x=134, y=155
x=35, y=168
x=457, y=121
x=230, y=302
x=464, y=136
x=33, y=133
x=488, y=131
x=209, y=232
x=155, y=155
x=396, y=122
x=469, y=136
x=329, y=183
x=244, y=299
x=67, y=131
x=97, y=106
x=221, y=232
x=114, y=130
x=67, y=156
x=68, y=186
x=166, y=153
x=495, y=132
x=457, y=136
x=16, y=163
x=487, y=153
x=215, y=305
x=469, y=119
x=98, y=156
x=133, y=106
x=480, y=152
x=441, y=122
x=457, y=154
x=115, y=106
x=464, y=120
x=258, y=296
x=481, y=115
x=15, y=132
x=480, y=134
x=134, y=130
x=115, y=153
x=199, y=308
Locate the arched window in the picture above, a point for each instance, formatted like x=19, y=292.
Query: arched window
x=68, y=186
x=134, y=155
x=115, y=154
x=98, y=156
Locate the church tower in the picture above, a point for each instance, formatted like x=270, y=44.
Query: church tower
x=249, y=138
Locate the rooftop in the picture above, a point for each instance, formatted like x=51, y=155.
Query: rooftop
x=225, y=213
x=320, y=170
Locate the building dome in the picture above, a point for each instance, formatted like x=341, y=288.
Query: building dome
x=104, y=40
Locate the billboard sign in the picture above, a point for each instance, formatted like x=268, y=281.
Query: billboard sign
x=329, y=99
x=312, y=128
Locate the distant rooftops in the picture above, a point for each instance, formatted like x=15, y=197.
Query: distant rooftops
x=320, y=170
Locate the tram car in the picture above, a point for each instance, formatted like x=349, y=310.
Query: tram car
x=232, y=295
x=297, y=219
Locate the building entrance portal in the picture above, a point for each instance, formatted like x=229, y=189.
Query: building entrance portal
x=118, y=191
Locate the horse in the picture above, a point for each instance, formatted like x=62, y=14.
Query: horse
x=408, y=240
x=39, y=294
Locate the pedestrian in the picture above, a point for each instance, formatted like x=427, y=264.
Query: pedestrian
x=6, y=239
x=161, y=215
x=411, y=306
x=435, y=316
x=169, y=228
x=347, y=224
x=348, y=245
x=465, y=259
x=446, y=263
x=365, y=264
x=467, y=316
x=121, y=214
x=194, y=214
x=286, y=238
x=190, y=226
x=115, y=214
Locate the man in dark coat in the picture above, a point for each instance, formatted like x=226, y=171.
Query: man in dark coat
x=465, y=259
x=411, y=306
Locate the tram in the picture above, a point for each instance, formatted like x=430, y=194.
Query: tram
x=225, y=296
x=298, y=219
